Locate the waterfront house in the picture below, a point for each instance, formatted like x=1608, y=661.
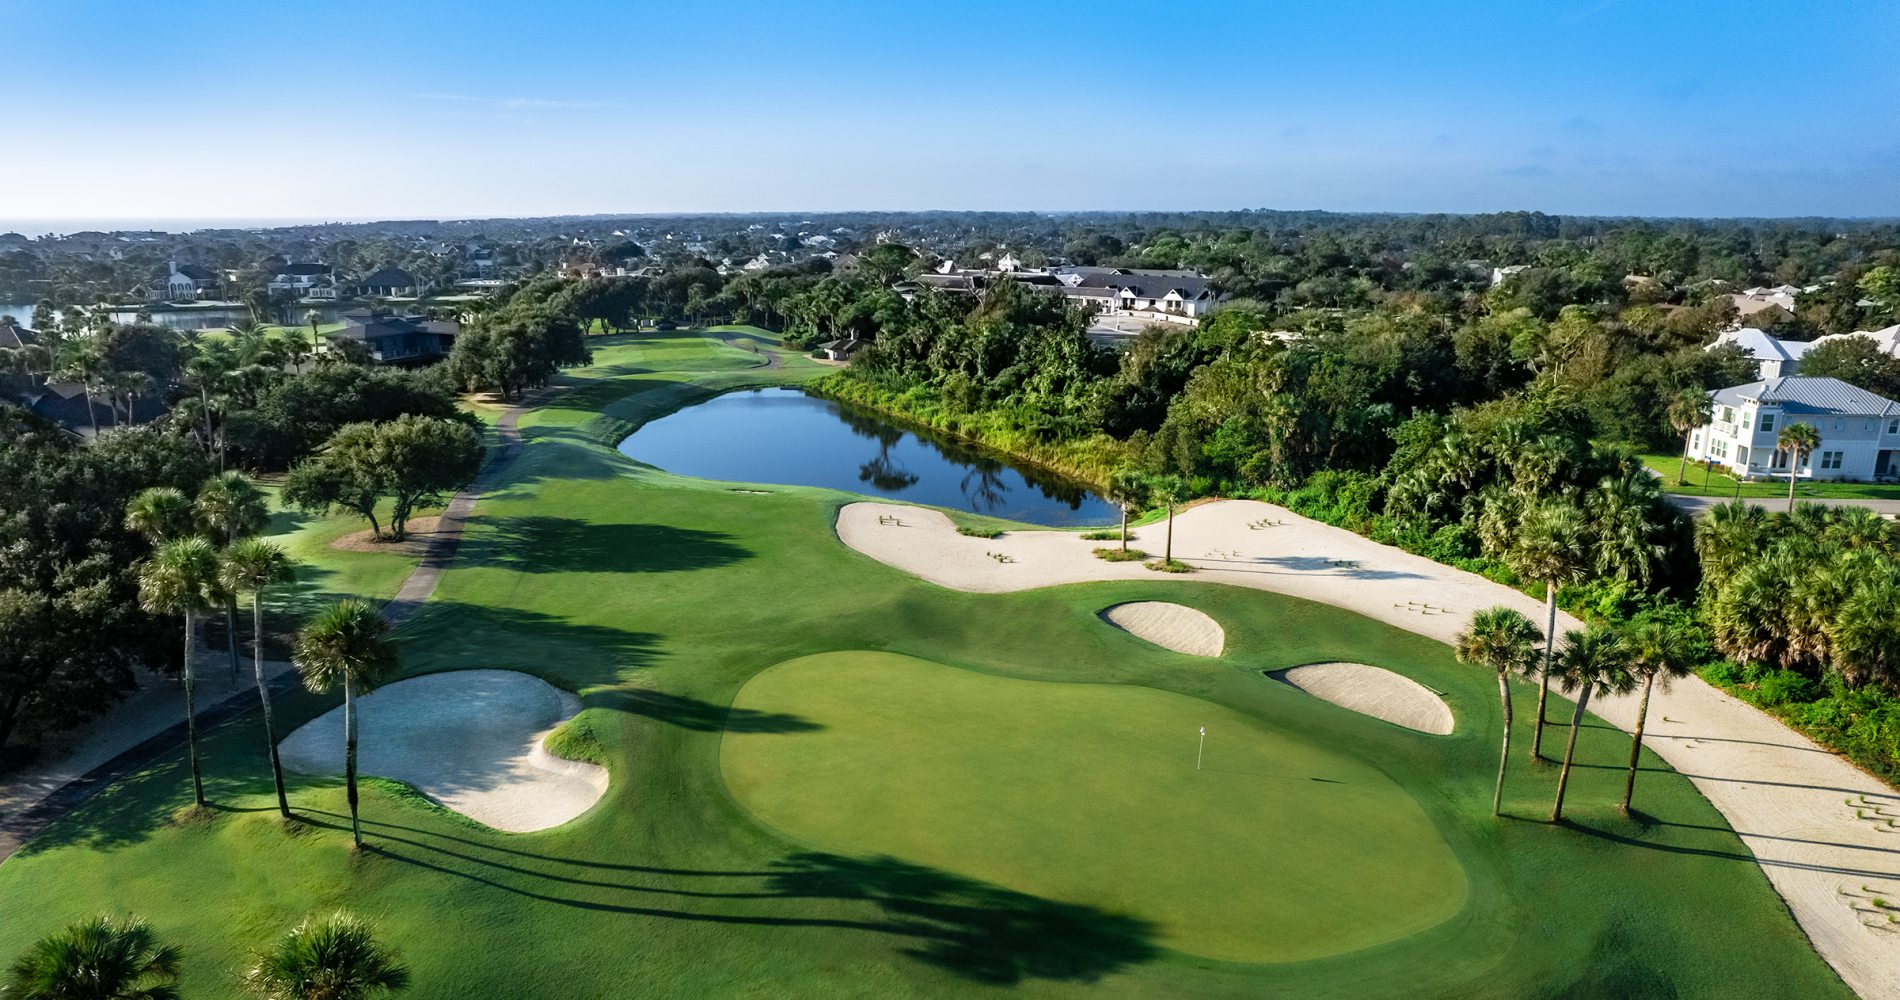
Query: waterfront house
x=306, y=281
x=389, y=282
x=1860, y=432
x=181, y=283
x=397, y=340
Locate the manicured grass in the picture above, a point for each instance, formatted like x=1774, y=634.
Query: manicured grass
x=659, y=599
x=1093, y=794
x=1703, y=483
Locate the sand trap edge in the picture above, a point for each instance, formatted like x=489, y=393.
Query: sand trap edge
x=1171, y=626
x=1372, y=691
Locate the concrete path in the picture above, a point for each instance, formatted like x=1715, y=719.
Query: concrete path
x=1818, y=826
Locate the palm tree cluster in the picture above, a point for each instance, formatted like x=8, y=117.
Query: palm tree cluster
x=1815, y=590
x=336, y=957
x=1598, y=658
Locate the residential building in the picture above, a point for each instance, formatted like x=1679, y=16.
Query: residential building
x=1754, y=300
x=390, y=282
x=181, y=283
x=397, y=339
x=1164, y=296
x=306, y=281
x=1860, y=432
x=1780, y=358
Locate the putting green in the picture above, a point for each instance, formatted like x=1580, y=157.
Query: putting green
x=1276, y=850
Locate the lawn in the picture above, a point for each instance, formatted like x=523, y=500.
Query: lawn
x=1703, y=483
x=680, y=612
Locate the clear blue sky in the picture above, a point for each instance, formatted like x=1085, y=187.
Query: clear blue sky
x=402, y=109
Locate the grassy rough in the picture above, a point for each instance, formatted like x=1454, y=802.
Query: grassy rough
x=662, y=597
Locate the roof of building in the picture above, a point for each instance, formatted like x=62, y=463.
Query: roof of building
x=1149, y=285
x=1763, y=346
x=194, y=272
x=304, y=269
x=1804, y=394
x=390, y=277
x=12, y=335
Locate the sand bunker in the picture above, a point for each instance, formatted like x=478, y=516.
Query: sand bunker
x=1373, y=691
x=469, y=739
x=1170, y=626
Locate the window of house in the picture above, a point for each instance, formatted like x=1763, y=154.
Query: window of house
x=1728, y=415
x=1840, y=423
x=1893, y=426
x=1831, y=459
x=1780, y=459
x=1744, y=420
x=1767, y=422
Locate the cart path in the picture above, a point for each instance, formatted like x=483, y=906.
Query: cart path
x=1786, y=797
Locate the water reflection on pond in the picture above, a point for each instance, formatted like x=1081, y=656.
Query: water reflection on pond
x=784, y=436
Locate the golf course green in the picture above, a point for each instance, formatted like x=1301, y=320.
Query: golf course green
x=831, y=780
x=1261, y=851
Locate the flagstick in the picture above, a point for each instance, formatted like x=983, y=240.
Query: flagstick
x=1203, y=749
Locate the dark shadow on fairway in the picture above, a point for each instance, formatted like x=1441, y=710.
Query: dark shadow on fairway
x=450, y=620
x=1743, y=856
x=976, y=930
x=570, y=545
x=702, y=716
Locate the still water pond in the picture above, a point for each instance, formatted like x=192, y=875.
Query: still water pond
x=784, y=436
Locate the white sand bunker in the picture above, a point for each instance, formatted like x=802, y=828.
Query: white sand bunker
x=469, y=739
x=1169, y=626
x=1373, y=691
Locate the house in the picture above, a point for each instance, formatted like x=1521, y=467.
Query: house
x=389, y=282
x=1754, y=300
x=1165, y=296
x=1780, y=358
x=1860, y=432
x=13, y=335
x=394, y=339
x=306, y=281
x=839, y=350
x=181, y=283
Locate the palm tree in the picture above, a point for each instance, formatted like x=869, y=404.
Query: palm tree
x=327, y=958
x=1692, y=408
x=97, y=959
x=312, y=317
x=1594, y=658
x=1862, y=638
x=1126, y=488
x=229, y=507
x=182, y=578
x=86, y=366
x=1168, y=490
x=1728, y=539
x=1623, y=524
x=253, y=564
x=1505, y=641
x=1655, y=653
x=160, y=513
x=1551, y=548
x=348, y=643
x=1799, y=441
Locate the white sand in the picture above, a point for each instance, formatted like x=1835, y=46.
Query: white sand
x=1373, y=691
x=1782, y=794
x=1170, y=626
x=469, y=739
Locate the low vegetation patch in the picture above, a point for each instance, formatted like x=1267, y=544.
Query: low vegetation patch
x=577, y=740
x=1102, y=536
x=980, y=532
x=1120, y=555
x=1169, y=566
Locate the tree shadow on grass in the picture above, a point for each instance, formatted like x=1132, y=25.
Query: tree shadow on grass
x=972, y=929
x=570, y=545
x=702, y=716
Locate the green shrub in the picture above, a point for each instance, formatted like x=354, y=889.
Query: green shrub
x=1118, y=555
x=1782, y=687
x=1170, y=566
x=1102, y=536
x=979, y=532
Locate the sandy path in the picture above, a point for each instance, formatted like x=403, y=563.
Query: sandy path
x=1374, y=691
x=469, y=739
x=1170, y=626
x=1782, y=794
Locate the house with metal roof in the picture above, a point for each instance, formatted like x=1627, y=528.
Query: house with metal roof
x=397, y=340
x=1860, y=431
x=1777, y=358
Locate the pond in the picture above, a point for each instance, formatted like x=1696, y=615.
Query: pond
x=784, y=436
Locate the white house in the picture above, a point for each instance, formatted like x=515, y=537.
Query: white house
x=308, y=281
x=1860, y=432
x=1783, y=357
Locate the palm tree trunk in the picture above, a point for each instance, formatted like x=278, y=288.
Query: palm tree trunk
x=1124, y=531
x=1793, y=461
x=191, y=719
x=1543, y=690
x=263, y=696
x=349, y=756
x=1168, y=556
x=94, y=417
x=1636, y=741
x=1504, y=756
x=1682, y=468
x=1563, y=777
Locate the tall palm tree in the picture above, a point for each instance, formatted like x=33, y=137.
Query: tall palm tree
x=160, y=513
x=1168, y=490
x=98, y=959
x=1505, y=641
x=1551, y=547
x=327, y=958
x=1596, y=658
x=204, y=370
x=1126, y=488
x=1728, y=539
x=347, y=643
x=1624, y=525
x=1655, y=653
x=229, y=507
x=182, y=578
x=1799, y=440
x=252, y=565
x=1692, y=408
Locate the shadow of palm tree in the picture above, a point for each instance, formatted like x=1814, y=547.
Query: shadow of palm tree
x=702, y=716
x=570, y=545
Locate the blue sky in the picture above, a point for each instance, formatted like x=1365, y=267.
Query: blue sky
x=398, y=109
